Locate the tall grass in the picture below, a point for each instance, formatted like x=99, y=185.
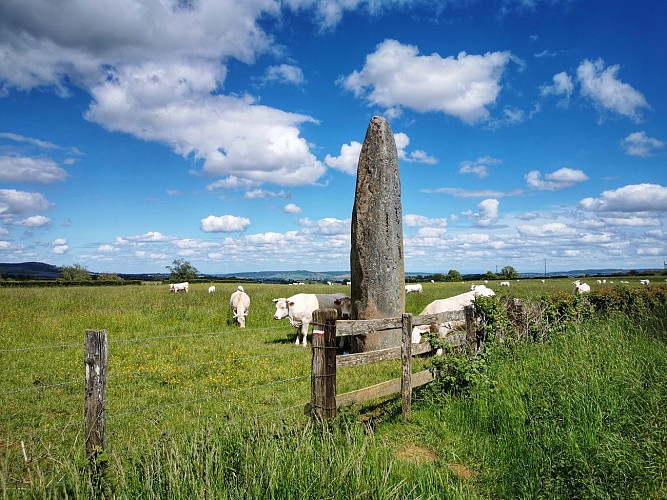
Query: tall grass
x=582, y=416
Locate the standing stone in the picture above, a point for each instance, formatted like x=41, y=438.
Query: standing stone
x=376, y=257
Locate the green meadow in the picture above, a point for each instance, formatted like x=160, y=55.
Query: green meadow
x=197, y=407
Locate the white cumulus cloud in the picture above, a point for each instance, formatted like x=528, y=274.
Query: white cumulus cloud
x=149, y=237
x=283, y=73
x=59, y=246
x=602, y=86
x=414, y=220
x=632, y=198
x=348, y=159
x=550, y=229
x=34, y=221
x=559, y=179
x=562, y=86
x=224, y=224
x=479, y=167
x=329, y=226
x=639, y=144
x=396, y=76
x=487, y=215
x=27, y=169
x=14, y=203
x=291, y=208
x=150, y=77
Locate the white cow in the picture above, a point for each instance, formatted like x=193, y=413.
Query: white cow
x=211, y=289
x=345, y=305
x=299, y=309
x=240, y=303
x=504, y=283
x=580, y=287
x=414, y=288
x=644, y=282
x=450, y=304
x=179, y=287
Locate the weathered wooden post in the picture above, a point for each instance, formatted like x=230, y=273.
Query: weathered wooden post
x=96, y=354
x=471, y=328
x=406, y=358
x=323, y=377
x=376, y=256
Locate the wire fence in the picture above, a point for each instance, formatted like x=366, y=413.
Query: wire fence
x=77, y=421
x=145, y=371
x=205, y=398
x=140, y=339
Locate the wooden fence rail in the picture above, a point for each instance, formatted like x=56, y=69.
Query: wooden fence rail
x=324, y=400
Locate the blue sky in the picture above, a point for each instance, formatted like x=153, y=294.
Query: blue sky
x=227, y=133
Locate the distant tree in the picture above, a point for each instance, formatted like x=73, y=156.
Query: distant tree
x=490, y=276
x=454, y=275
x=109, y=277
x=75, y=272
x=439, y=277
x=182, y=270
x=508, y=272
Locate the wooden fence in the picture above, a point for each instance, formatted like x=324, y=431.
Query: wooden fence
x=324, y=400
x=327, y=330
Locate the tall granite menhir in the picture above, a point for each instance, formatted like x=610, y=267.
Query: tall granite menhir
x=376, y=257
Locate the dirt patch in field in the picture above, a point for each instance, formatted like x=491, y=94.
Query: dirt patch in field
x=461, y=471
x=410, y=452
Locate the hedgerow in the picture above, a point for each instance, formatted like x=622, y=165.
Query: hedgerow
x=506, y=322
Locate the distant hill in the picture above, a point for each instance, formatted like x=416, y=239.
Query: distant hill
x=288, y=276
x=29, y=270
x=40, y=270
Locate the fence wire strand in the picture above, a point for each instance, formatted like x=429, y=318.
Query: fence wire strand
x=42, y=387
x=37, y=348
x=179, y=403
x=205, y=398
x=140, y=339
x=146, y=371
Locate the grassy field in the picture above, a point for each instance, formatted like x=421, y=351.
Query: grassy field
x=188, y=389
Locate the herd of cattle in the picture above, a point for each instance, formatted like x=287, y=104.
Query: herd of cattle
x=299, y=308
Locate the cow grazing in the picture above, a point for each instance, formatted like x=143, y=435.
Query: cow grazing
x=299, y=309
x=414, y=288
x=504, y=283
x=450, y=304
x=644, y=282
x=240, y=303
x=179, y=287
x=580, y=287
x=211, y=289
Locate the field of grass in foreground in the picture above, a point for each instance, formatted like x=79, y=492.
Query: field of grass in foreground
x=581, y=416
